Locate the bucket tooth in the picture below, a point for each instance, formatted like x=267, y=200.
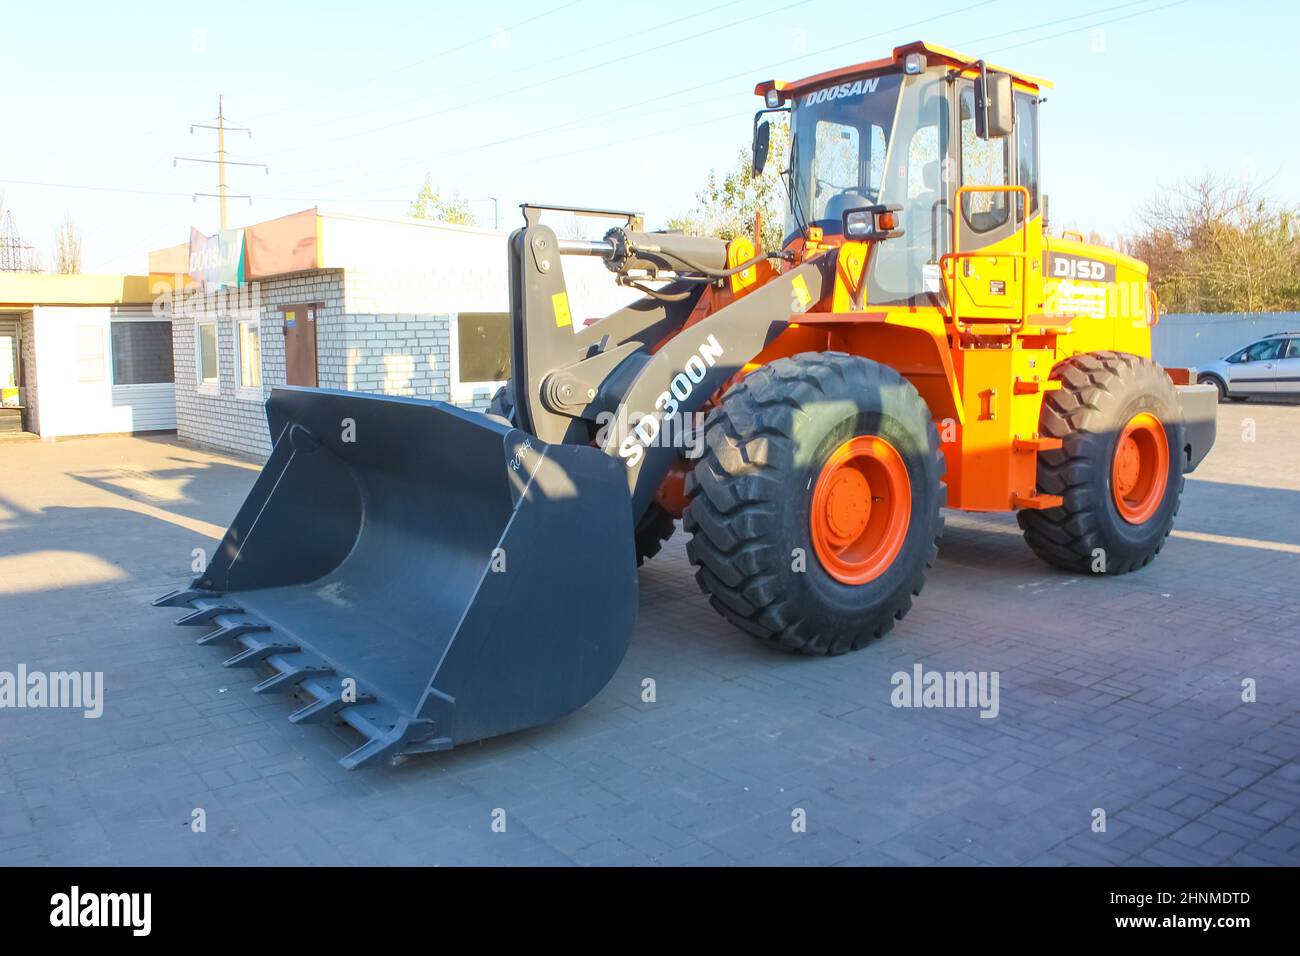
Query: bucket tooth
x=181, y=597
x=328, y=696
x=204, y=611
x=384, y=741
x=256, y=651
x=289, y=675
x=228, y=632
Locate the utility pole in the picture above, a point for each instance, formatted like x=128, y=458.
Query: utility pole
x=221, y=162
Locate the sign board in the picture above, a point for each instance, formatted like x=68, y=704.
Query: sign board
x=217, y=262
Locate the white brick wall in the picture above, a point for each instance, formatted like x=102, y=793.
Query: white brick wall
x=358, y=349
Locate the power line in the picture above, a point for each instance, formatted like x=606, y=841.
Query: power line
x=98, y=189
x=677, y=21
x=694, y=88
x=748, y=72
x=1092, y=26
x=614, y=61
x=1002, y=34
x=820, y=52
x=409, y=66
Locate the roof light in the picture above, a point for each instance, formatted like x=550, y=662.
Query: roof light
x=913, y=64
x=772, y=98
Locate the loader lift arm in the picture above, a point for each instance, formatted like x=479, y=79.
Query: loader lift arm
x=608, y=371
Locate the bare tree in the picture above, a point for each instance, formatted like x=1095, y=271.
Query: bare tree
x=67, y=247
x=1216, y=246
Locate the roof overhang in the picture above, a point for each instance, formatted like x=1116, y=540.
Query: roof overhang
x=23, y=290
x=893, y=63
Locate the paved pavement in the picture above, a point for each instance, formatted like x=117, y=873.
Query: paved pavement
x=1121, y=696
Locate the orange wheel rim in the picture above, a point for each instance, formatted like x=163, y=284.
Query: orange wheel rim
x=861, y=507
x=1140, y=470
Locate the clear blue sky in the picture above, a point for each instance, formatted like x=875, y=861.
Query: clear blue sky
x=584, y=102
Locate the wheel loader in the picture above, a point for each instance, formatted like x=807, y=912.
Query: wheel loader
x=432, y=576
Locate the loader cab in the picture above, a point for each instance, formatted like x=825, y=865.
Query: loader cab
x=908, y=139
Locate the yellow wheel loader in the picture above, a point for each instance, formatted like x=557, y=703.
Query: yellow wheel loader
x=432, y=576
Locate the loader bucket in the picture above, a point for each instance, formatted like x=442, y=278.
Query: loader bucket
x=428, y=575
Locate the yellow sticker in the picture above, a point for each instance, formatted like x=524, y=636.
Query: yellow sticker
x=560, y=303
x=801, y=293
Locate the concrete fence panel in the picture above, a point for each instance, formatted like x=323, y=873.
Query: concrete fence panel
x=1190, y=339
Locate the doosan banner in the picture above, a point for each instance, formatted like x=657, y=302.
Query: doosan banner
x=217, y=261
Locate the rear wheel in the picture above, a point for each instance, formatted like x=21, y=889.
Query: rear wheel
x=1120, y=469
x=656, y=525
x=815, y=509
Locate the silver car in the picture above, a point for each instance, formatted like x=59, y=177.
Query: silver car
x=1270, y=366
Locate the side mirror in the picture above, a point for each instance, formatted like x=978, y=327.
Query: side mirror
x=762, y=140
x=995, y=110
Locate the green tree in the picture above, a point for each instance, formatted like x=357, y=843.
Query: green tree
x=728, y=204
x=429, y=203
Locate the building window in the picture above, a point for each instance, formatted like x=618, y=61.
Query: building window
x=206, y=349
x=142, y=353
x=481, y=351
x=89, y=353
x=248, y=354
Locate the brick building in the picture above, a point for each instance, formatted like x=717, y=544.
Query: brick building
x=395, y=306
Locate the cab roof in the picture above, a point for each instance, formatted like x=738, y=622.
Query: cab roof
x=933, y=54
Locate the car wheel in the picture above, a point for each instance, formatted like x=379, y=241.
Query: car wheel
x=1218, y=384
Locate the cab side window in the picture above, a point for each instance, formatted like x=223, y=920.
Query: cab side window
x=984, y=162
x=1027, y=147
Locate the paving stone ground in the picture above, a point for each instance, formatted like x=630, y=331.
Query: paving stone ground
x=1122, y=695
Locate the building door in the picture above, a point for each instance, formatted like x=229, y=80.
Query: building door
x=300, y=345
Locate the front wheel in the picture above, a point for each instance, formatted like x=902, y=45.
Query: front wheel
x=1120, y=467
x=815, y=509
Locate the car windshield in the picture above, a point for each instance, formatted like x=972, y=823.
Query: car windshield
x=837, y=153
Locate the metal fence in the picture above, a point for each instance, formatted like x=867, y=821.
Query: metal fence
x=1190, y=339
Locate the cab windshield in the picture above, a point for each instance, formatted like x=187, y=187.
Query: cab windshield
x=837, y=150
x=870, y=141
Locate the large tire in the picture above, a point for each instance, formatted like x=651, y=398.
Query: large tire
x=656, y=525
x=768, y=447
x=502, y=404
x=1102, y=393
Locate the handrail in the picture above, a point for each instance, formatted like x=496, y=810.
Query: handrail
x=956, y=255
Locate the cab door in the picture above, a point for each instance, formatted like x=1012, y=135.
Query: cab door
x=990, y=219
